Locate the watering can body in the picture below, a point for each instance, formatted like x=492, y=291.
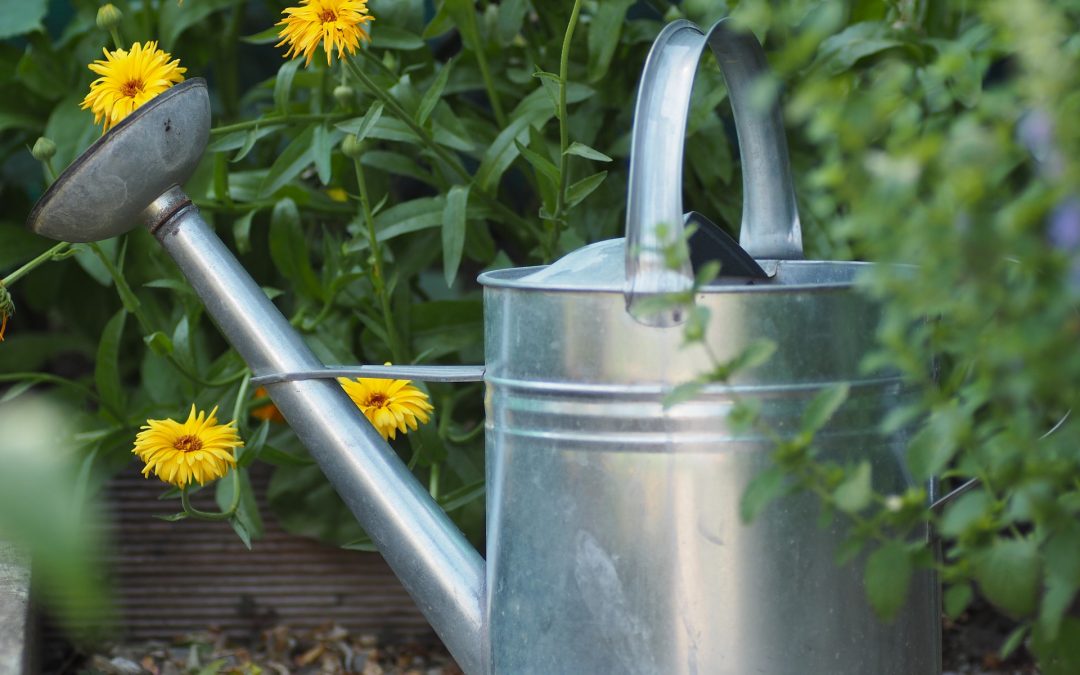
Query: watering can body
x=614, y=535
x=615, y=543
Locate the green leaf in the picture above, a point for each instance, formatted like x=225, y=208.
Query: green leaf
x=362, y=126
x=957, y=598
x=823, y=406
x=263, y=37
x=21, y=16
x=543, y=165
x=107, y=366
x=272, y=455
x=176, y=517
x=1015, y=639
x=965, y=512
x=1062, y=553
x=18, y=390
x=305, y=504
x=433, y=94
x=297, y=156
x=289, y=248
x=855, y=493
x=1056, y=601
x=511, y=17
x=765, y=487
x=504, y=149
x=604, y=32
x=841, y=51
x=929, y=451
x=578, y=191
x=242, y=231
x=322, y=143
x=582, y=150
x=453, y=230
x=283, y=84
x=159, y=343
x=463, y=13
x=392, y=37
x=174, y=19
x=1008, y=575
x=888, y=574
x=247, y=523
x=1060, y=655
x=687, y=391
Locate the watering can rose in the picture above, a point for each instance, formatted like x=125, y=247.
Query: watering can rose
x=197, y=449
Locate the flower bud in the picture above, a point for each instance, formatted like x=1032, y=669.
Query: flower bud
x=352, y=146
x=7, y=308
x=108, y=16
x=43, y=149
x=285, y=214
x=344, y=95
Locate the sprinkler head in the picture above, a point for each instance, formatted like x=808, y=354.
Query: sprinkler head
x=105, y=190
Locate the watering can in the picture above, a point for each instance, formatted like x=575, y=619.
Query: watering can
x=614, y=543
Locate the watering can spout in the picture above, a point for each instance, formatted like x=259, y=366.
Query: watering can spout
x=140, y=162
x=438, y=567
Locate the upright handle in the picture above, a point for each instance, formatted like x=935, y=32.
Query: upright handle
x=654, y=213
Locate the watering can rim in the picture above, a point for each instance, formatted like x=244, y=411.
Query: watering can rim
x=515, y=278
x=68, y=188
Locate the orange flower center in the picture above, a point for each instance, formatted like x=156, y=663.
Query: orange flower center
x=131, y=88
x=328, y=15
x=188, y=443
x=377, y=400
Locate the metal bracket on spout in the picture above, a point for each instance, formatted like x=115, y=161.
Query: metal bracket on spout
x=421, y=373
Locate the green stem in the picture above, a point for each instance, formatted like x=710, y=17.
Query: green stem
x=279, y=119
x=485, y=73
x=45, y=257
x=241, y=398
x=185, y=500
x=442, y=153
x=244, y=207
x=378, y=281
x=433, y=480
x=116, y=38
x=52, y=171
x=555, y=224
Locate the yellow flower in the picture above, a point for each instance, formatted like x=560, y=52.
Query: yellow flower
x=199, y=449
x=337, y=194
x=268, y=412
x=128, y=80
x=390, y=405
x=338, y=24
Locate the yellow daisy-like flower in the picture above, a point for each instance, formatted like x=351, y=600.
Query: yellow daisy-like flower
x=128, y=80
x=337, y=24
x=199, y=449
x=390, y=405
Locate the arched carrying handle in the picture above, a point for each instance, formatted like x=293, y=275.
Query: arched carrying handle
x=654, y=213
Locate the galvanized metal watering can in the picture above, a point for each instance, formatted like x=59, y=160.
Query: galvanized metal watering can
x=614, y=540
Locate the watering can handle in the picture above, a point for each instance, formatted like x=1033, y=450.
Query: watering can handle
x=654, y=211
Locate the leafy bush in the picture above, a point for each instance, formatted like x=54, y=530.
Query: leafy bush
x=940, y=134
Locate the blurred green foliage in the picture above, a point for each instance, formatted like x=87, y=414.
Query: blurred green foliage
x=941, y=134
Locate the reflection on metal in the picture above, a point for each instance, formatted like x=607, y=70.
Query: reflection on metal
x=421, y=373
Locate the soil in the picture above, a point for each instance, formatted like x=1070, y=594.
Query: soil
x=971, y=646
